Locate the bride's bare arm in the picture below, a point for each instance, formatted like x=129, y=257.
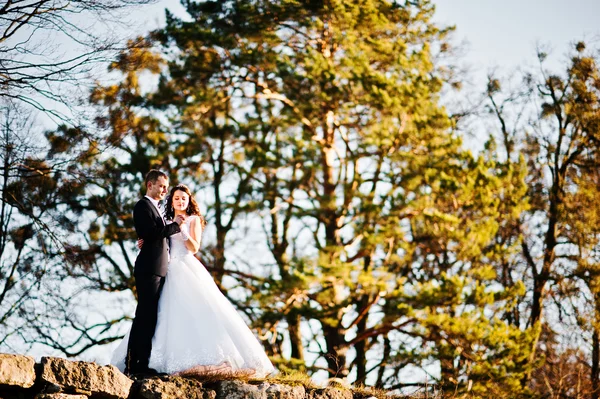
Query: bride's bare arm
x=195, y=236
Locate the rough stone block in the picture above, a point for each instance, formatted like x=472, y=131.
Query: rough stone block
x=278, y=391
x=174, y=388
x=85, y=378
x=329, y=393
x=241, y=390
x=17, y=370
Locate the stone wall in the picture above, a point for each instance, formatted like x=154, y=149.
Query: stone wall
x=57, y=378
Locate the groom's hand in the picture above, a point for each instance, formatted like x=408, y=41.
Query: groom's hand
x=179, y=219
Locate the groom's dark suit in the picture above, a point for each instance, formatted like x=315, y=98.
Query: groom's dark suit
x=150, y=271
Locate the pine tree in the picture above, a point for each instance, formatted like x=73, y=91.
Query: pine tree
x=321, y=120
x=557, y=230
x=381, y=226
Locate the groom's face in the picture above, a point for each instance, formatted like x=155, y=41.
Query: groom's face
x=158, y=189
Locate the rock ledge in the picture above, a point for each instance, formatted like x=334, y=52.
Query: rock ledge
x=58, y=378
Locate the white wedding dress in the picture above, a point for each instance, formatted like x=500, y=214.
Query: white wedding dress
x=198, y=330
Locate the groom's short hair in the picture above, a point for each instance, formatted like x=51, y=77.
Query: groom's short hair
x=153, y=175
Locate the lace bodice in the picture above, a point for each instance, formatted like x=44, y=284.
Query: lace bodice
x=178, y=248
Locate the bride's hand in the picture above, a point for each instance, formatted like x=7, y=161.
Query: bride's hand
x=140, y=243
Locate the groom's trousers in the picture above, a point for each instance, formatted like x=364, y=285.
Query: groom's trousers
x=139, y=348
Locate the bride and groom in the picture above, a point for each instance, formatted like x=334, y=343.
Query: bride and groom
x=183, y=324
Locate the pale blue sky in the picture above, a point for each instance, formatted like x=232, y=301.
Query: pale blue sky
x=505, y=33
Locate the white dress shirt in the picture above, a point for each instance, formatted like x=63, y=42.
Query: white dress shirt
x=155, y=203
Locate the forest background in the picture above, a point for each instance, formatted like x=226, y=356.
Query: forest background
x=377, y=211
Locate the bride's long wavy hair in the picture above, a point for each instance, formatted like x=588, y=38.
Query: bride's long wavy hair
x=192, y=209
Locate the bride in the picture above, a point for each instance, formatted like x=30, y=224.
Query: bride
x=198, y=333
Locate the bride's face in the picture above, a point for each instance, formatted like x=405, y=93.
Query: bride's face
x=180, y=201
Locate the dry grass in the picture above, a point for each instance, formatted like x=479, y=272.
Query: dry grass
x=293, y=378
x=296, y=378
x=299, y=378
x=371, y=392
x=424, y=394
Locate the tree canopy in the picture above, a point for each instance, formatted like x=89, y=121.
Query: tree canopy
x=347, y=219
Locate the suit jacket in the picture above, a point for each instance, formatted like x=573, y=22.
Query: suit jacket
x=150, y=226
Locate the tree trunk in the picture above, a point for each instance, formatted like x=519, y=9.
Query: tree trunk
x=219, y=266
x=595, y=363
x=218, y=170
x=361, y=326
x=336, y=351
x=361, y=351
x=293, y=321
x=387, y=349
x=596, y=353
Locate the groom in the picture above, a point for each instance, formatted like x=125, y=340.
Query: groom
x=150, y=270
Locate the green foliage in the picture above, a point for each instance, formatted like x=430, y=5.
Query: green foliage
x=388, y=247
x=324, y=119
x=556, y=234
